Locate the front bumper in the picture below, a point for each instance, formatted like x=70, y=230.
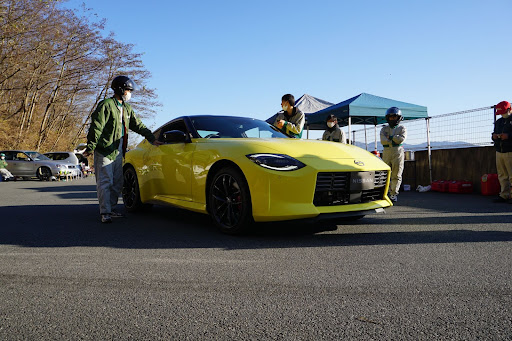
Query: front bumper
x=279, y=196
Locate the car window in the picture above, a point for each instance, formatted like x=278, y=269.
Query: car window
x=57, y=156
x=257, y=133
x=37, y=156
x=208, y=133
x=8, y=155
x=234, y=127
x=21, y=157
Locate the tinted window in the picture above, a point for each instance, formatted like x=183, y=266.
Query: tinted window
x=234, y=127
x=36, y=156
x=57, y=156
x=8, y=155
x=19, y=156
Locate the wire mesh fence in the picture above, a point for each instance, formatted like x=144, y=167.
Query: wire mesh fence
x=463, y=129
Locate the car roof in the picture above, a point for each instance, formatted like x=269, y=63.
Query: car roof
x=59, y=152
x=188, y=117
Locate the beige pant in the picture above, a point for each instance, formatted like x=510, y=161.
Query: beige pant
x=5, y=173
x=109, y=180
x=394, y=157
x=504, y=167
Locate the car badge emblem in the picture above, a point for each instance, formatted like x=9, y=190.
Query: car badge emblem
x=359, y=163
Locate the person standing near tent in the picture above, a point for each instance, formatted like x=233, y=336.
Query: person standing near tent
x=502, y=137
x=333, y=131
x=392, y=136
x=290, y=120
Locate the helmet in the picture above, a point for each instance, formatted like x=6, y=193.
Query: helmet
x=122, y=83
x=394, y=111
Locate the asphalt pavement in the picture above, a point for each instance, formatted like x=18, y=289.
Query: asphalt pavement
x=437, y=266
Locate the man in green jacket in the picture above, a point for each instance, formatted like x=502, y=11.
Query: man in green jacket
x=108, y=137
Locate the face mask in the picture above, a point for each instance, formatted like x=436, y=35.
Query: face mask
x=330, y=124
x=393, y=123
x=285, y=107
x=127, y=97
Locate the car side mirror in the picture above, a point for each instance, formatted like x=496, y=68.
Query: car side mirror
x=175, y=136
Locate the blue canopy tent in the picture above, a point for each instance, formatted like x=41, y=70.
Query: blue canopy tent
x=364, y=109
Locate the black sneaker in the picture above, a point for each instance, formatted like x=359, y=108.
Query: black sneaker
x=115, y=214
x=500, y=199
x=106, y=218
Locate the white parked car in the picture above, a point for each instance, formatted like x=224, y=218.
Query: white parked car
x=74, y=167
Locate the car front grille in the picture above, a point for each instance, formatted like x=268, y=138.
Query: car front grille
x=333, y=188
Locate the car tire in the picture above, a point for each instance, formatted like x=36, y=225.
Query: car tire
x=131, y=191
x=44, y=174
x=229, y=201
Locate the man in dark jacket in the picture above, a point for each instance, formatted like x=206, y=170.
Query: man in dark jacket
x=333, y=131
x=502, y=137
x=108, y=137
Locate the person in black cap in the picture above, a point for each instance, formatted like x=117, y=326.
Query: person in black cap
x=333, y=131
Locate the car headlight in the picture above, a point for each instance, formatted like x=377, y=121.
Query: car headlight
x=279, y=162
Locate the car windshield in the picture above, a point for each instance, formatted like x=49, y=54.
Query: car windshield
x=234, y=127
x=36, y=156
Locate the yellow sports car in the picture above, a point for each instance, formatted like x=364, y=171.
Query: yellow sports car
x=242, y=170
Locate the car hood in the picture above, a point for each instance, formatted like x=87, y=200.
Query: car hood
x=300, y=149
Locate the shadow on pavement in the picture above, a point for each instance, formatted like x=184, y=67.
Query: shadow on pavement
x=452, y=202
x=163, y=227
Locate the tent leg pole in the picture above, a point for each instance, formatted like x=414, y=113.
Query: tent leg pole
x=365, y=138
x=307, y=132
x=375, y=134
x=429, y=149
x=349, y=127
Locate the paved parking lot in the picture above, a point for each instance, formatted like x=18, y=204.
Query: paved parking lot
x=435, y=267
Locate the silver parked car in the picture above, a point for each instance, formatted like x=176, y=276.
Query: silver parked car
x=28, y=164
x=74, y=167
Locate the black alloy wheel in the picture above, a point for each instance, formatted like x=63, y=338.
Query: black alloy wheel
x=229, y=201
x=44, y=174
x=130, y=192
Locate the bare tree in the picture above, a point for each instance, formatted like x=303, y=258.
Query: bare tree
x=55, y=67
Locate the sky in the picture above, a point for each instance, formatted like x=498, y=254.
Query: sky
x=239, y=57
